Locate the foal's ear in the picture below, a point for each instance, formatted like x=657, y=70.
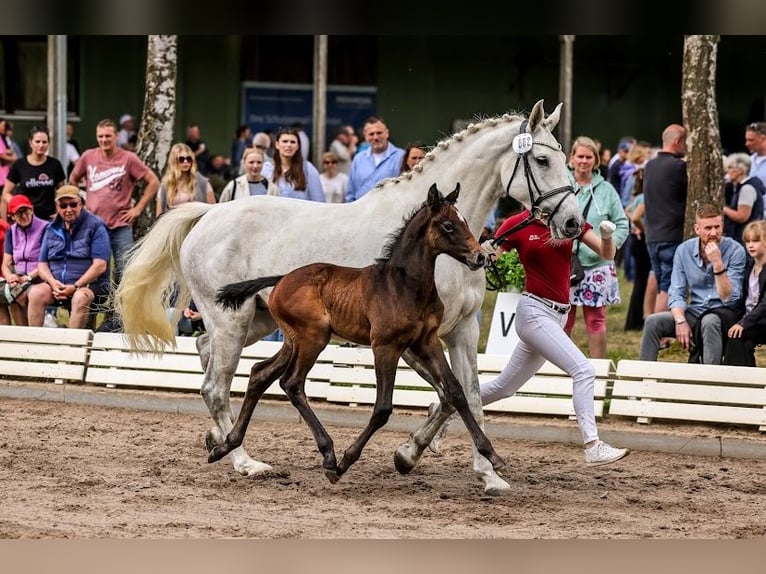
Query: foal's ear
x=434, y=197
x=452, y=197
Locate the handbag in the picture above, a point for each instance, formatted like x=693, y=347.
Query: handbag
x=577, y=273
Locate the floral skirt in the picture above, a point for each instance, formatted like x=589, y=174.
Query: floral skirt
x=598, y=288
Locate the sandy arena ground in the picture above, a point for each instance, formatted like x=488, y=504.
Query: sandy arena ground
x=82, y=471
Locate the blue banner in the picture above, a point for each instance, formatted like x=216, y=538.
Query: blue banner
x=272, y=106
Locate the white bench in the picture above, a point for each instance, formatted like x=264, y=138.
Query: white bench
x=549, y=392
x=114, y=364
x=44, y=353
x=692, y=392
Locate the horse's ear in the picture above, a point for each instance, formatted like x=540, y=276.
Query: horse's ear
x=434, y=197
x=536, y=116
x=452, y=197
x=553, y=120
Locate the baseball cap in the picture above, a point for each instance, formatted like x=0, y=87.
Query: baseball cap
x=67, y=191
x=125, y=118
x=624, y=146
x=17, y=202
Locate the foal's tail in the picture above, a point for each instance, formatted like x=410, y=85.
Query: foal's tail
x=232, y=296
x=152, y=270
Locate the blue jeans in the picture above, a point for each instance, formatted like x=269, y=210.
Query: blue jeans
x=121, y=239
x=661, y=255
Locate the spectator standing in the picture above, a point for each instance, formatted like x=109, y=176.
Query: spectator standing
x=413, y=153
x=5, y=307
x=755, y=142
x=644, y=285
x=304, y=139
x=181, y=182
x=127, y=131
x=7, y=155
x=704, y=295
x=36, y=175
x=750, y=329
x=199, y=147
x=238, y=146
x=252, y=181
x=262, y=141
x=746, y=202
x=11, y=141
x=380, y=161
x=72, y=149
x=616, y=161
x=665, y=187
x=598, y=203
x=74, y=260
x=111, y=174
x=295, y=177
x=344, y=147
x=334, y=182
x=22, y=252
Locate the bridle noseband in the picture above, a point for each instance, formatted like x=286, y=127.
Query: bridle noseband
x=522, y=144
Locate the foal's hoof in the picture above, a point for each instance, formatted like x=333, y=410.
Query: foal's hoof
x=332, y=475
x=216, y=454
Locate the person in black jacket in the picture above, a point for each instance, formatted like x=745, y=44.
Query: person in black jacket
x=750, y=330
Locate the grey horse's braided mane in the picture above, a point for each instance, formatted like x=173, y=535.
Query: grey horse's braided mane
x=433, y=152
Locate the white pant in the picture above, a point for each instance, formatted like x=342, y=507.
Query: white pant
x=542, y=337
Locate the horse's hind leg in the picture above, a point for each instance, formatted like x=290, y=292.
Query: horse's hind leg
x=225, y=348
x=293, y=383
x=386, y=360
x=261, y=376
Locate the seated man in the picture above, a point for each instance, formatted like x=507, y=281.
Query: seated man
x=707, y=272
x=73, y=261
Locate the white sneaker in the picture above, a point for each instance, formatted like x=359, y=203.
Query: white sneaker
x=601, y=453
x=50, y=321
x=435, y=443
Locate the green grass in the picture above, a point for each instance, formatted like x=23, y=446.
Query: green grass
x=621, y=344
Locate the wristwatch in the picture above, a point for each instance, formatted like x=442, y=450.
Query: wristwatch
x=680, y=321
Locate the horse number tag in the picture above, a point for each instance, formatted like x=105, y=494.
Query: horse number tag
x=522, y=143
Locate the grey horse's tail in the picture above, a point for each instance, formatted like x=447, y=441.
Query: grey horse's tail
x=232, y=296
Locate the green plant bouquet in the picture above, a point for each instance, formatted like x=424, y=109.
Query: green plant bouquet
x=510, y=272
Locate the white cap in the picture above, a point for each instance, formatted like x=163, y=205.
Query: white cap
x=125, y=118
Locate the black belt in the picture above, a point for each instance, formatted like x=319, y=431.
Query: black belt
x=558, y=307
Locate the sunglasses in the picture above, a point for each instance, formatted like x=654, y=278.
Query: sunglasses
x=330, y=162
x=22, y=211
x=757, y=127
x=66, y=204
x=185, y=159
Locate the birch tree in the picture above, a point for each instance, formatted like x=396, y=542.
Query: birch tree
x=155, y=136
x=700, y=116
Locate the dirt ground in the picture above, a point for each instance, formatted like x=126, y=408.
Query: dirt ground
x=80, y=471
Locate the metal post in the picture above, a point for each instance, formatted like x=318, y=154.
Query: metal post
x=59, y=132
x=319, y=124
x=565, y=90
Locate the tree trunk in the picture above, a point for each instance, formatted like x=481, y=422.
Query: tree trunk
x=700, y=116
x=155, y=135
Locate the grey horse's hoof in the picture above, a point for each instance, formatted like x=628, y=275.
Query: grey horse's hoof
x=403, y=464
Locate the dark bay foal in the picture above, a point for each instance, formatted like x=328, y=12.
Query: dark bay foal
x=392, y=305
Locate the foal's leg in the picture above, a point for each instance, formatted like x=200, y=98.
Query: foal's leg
x=261, y=376
x=462, y=342
x=386, y=360
x=293, y=383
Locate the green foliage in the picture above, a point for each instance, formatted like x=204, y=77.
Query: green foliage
x=511, y=271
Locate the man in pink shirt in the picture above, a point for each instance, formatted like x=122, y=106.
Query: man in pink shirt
x=111, y=174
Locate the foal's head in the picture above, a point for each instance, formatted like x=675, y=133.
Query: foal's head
x=448, y=231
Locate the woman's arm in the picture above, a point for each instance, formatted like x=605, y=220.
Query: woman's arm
x=603, y=245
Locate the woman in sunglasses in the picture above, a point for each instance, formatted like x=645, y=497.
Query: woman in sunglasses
x=334, y=181
x=182, y=182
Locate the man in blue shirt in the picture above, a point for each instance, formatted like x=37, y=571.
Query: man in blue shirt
x=705, y=289
x=378, y=162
